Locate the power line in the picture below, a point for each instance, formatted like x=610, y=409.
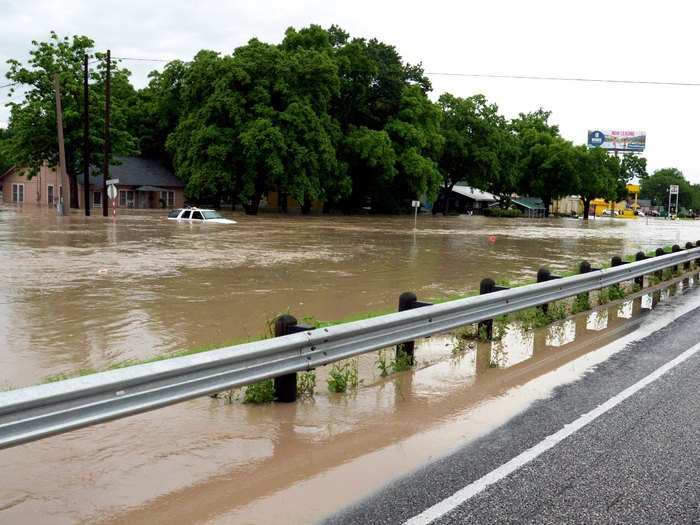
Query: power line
x=145, y=59
x=9, y=85
x=567, y=79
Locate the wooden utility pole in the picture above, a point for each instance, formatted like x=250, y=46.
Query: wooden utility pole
x=86, y=138
x=61, y=147
x=107, y=145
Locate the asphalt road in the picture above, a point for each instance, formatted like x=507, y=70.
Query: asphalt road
x=638, y=462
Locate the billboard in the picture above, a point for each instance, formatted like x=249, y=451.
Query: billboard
x=617, y=140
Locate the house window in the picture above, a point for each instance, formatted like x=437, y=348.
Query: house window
x=18, y=193
x=97, y=198
x=49, y=194
x=126, y=198
x=167, y=199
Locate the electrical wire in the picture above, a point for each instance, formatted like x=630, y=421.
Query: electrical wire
x=566, y=79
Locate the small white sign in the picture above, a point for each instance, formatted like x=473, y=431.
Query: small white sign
x=112, y=191
x=674, y=189
x=112, y=181
x=415, y=204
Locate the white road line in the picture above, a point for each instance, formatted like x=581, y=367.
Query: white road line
x=443, y=507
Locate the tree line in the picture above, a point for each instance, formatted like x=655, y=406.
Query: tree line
x=321, y=116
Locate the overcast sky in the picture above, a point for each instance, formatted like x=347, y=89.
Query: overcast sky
x=642, y=40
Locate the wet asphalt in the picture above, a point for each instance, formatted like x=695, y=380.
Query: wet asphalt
x=637, y=463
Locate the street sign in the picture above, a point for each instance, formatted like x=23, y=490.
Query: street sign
x=112, y=191
x=415, y=204
x=112, y=181
x=674, y=189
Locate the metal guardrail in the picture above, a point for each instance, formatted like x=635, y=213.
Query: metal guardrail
x=35, y=412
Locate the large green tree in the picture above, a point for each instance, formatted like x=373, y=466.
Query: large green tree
x=656, y=187
x=480, y=147
x=547, y=162
x=258, y=120
x=32, y=123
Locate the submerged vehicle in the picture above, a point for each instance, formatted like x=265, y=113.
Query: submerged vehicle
x=199, y=215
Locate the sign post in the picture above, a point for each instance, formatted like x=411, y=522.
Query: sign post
x=415, y=205
x=672, y=190
x=112, y=194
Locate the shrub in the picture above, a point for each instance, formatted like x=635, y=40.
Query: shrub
x=503, y=212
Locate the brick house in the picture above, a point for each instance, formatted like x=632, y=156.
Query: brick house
x=143, y=184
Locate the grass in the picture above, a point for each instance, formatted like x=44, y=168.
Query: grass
x=343, y=376
x=261, y=392
x=306, y=384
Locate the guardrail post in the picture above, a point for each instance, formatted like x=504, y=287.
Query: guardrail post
x=640, y=256
x=544, y=275
x=688, y=246
x=659, y=273
x=286, y=385
x=584, y=267
x=675, y=249
x=616, y=261
x=486, y=286
x=408, y=301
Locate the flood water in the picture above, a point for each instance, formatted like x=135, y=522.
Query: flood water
x=86, y=293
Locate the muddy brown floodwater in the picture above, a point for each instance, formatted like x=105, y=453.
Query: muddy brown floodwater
x=81, y=293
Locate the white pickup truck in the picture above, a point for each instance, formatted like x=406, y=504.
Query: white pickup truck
x=198, y=215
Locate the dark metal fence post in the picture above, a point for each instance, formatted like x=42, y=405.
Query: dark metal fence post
x=639, y=281
x=544, y=275
x=616, y=260
x=688, y=246
x=286, y=385
x=407, y=301
x=675, y=249
x=486, y=286
x=659, y=273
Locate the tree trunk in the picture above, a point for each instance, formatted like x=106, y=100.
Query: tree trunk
x=547, y=201
x=306, y=206
x=586, y=208
x=254, y=204
x=73, y=183
x=282, y=201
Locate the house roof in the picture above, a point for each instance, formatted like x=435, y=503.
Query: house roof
x=474, y=194
x=11, y=169
x=531, y=203
x=137, y=171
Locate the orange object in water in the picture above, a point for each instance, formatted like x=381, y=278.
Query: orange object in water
x=492, y=239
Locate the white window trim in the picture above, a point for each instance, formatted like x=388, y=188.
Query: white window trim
x=18, y=185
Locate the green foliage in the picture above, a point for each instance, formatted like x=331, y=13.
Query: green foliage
x=615, y=292
x=383, y=364
x=655, y=187
x=582, y=303
x=503, y=212
x=261, y=392
x=402, y=362
x=306, y=384
x=343, y=376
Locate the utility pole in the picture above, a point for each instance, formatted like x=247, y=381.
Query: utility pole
x=61, y=210
x=86, y=138
x=107, y=146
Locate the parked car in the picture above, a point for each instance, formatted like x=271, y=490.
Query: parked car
x=198, y=215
